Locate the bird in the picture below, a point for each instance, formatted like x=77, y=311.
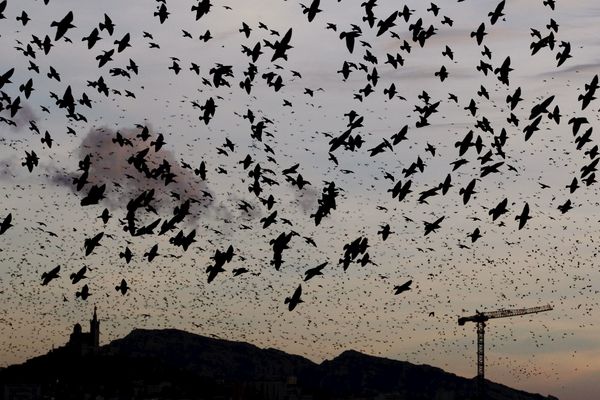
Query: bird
x=245, y=29
x=27, y=88
x=403, y=288
x=127, y=255
x=91, y=243
x=475, y=235
x=442, y=73
x=312, y=272
x=162, y=13
x=523, y=217
x=31, y=160
x=514, y=99
x=105, y=216
x=6, y=223
x=293, y=301
x=122, y=287
x=271, y=219
x=47, y=277
x=123, y=43
x=78, y=276
x=63, y=26
x=84, y=293
x=312, y=10
x=384, y=232
x=573, y=186
x=2, y=8
x=448, y=52
x=239, y=271
x=5, y=78
x=434, y=8
x=479, y=33
x=563, y=208
x=152, y=253
x=468, y=191
x=497, y=13
x=47, y=139
x=385, y=24
x=432, y=226
x=202, y=8
x=499, y=210
x=107, y=25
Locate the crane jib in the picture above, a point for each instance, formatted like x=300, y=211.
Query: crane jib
x=484, y=316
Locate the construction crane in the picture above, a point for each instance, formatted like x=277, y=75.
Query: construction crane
x=480, y=318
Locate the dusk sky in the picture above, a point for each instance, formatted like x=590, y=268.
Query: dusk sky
x=549, y=261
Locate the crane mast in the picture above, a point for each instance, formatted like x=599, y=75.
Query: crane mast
x=480, y=318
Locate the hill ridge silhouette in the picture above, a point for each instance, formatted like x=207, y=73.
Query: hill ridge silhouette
x=186, y=364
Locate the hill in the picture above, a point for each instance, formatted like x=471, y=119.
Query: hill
x=173, y=364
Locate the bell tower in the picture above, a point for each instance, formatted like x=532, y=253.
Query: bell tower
x=95, y=331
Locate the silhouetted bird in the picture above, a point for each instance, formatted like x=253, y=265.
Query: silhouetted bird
x=312, y=10
x=84, y=293
x=49, y=276
x=123, y=288
x=402, y=288
x=524, y=217
x=293, y=301
x=6, y=223
x=432, y=226
x=63, y=26
x=79, y=275
x=312, y=272
x=152, y=253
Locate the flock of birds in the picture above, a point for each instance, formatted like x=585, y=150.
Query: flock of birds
x=159, y=202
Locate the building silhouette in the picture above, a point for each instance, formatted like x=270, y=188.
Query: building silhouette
x=83, y=343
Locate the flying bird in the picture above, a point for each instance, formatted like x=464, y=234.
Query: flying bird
x=402, y=288
x=524, y=217
x=293, y=301
x=6, y=223
x=122, y=287
x=312, y=272
x=47, y=277
x=63, y=26
x=432, y=226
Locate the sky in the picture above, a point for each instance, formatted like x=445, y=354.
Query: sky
x=549, y=261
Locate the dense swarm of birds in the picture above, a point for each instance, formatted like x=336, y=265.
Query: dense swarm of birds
x=223, y=187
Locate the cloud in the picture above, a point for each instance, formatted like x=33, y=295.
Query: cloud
x=22, y=118
x=578, y=68
x=7, y=168
x=110, y=166
x=307, y=199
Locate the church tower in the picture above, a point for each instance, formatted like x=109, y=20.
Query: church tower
x=94, y=331
x=82, y=343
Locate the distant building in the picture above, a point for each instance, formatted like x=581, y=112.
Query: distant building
x=83, y=343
